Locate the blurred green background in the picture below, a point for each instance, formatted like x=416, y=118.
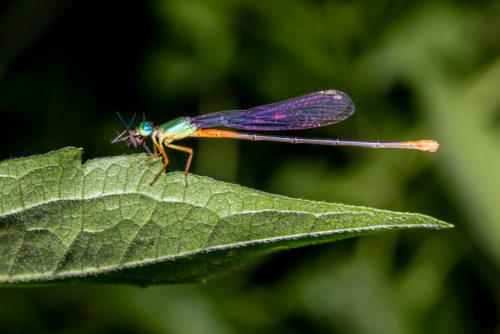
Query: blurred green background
x=415, y=70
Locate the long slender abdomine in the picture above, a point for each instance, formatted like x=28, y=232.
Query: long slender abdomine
x=421, y=145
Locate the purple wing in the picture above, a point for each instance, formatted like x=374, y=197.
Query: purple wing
x=302, y=112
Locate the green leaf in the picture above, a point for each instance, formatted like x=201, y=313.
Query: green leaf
x=61, y=221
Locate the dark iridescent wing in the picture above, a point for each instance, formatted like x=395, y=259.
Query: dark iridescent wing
x=302, y=112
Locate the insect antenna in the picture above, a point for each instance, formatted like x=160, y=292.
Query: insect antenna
x=127, y=128
x=123, y=122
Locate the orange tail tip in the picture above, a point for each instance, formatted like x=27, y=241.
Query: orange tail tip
x=425, y=145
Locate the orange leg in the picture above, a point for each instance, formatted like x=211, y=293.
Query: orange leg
x=155, y=155
x=151, y=158
x=165, y=163
x=187, y=150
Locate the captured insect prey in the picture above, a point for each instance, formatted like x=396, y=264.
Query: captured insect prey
x=303, y=112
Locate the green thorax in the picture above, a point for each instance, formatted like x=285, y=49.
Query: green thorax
x=177, y=129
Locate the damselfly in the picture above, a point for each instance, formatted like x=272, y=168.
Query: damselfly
x=302, y=112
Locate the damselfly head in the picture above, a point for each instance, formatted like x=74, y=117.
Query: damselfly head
x=135, y=138
x=145, y=129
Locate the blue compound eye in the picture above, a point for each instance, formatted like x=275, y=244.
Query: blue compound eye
x=145, y=129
